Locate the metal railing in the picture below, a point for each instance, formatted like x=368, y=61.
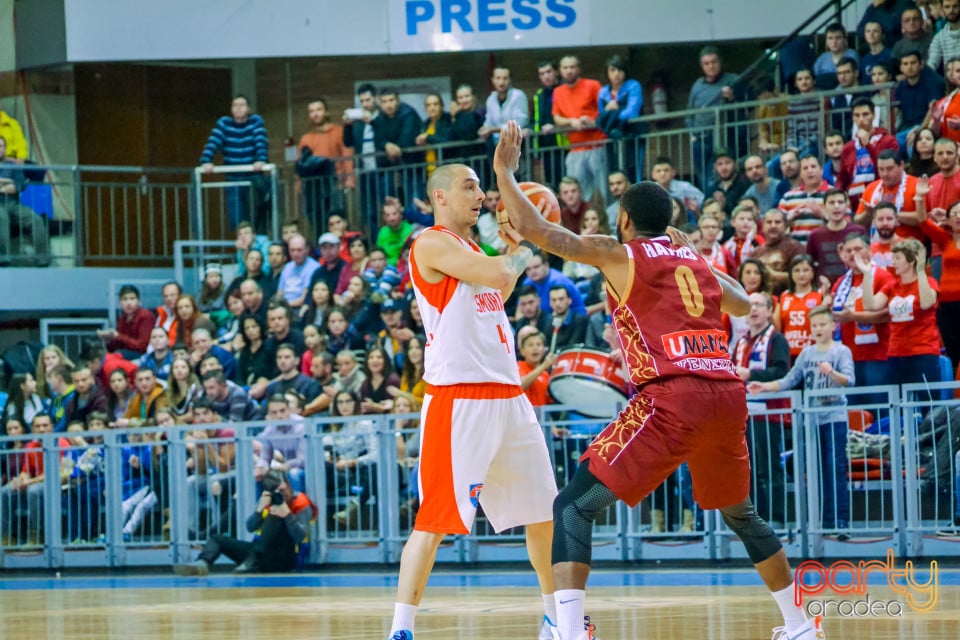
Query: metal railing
x=69, y=333
x=892, y=484
x=247, y=195
x=135, y=215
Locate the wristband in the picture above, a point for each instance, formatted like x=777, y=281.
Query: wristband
x=609, y=319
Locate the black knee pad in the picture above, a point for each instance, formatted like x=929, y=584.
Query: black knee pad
x=574, y=510
x=757, y=536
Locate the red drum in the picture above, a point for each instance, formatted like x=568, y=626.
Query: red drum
x=586, y=377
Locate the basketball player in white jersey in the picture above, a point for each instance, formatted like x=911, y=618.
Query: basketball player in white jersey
x=480, y=440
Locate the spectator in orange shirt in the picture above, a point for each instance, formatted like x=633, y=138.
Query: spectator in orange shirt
x=897, y=186
x=791, y=314
x=576, y=107
x=322, y=163
x=535, y=368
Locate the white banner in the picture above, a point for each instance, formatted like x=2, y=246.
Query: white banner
x=482, y=25
x=135, y=30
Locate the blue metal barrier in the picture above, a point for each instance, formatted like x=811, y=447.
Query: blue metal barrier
x=97, y=507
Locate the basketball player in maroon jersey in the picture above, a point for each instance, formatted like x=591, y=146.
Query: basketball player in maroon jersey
x=689, y=406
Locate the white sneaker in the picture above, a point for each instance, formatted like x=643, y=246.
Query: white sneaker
x=548, y=630
x=810, y=630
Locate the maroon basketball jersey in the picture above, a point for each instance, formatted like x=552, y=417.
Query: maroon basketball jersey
x=668, y=322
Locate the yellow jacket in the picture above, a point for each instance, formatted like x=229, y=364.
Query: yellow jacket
x=11, y=132
x=136, y=409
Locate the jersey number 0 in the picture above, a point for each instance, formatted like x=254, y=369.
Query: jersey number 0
x=689, y=291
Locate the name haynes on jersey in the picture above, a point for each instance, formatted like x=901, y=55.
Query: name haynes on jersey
x=699, y=344
x=488, y=302
x=485, y=16
x=662, y=250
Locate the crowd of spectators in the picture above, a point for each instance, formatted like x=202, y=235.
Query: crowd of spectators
x=331, y=328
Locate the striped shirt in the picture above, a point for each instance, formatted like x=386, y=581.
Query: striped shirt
x=239, y=142
x=944, y=46
x=803, y=224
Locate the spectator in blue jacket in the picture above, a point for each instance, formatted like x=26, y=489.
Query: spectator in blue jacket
x=620, y=101
x=543, y=278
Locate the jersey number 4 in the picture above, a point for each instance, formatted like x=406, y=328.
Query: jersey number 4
x=690, y=292
x=503, y=338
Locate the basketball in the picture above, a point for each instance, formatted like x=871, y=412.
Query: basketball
x=536, y=192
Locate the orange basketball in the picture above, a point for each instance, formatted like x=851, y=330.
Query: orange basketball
x=537, y=192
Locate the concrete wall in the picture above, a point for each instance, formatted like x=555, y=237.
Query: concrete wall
x=53, y=292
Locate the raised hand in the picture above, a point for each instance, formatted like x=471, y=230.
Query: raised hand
x=923, y=185
x=680, y=239
x=825, y=285
x=507, y=155
x=862, y=265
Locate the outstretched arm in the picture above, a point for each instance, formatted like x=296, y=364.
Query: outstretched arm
x=522, y=215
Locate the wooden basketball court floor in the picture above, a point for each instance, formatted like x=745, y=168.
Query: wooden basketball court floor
x=625, y=604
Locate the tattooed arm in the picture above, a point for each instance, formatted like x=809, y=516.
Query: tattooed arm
x=438, y=254
x=520, y=214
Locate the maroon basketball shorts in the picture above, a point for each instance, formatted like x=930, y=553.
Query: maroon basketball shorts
x=700, y=422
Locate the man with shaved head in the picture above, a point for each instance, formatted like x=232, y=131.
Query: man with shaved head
x=481, y=443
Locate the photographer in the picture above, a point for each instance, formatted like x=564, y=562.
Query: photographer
x=280, y=523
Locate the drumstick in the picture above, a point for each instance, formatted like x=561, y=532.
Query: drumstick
x=557, y=323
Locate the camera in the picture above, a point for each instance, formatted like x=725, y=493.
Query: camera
x=276, y=498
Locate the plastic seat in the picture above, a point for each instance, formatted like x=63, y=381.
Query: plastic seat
x=860, y=419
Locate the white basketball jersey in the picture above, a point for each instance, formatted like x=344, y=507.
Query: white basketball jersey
x=469, y=338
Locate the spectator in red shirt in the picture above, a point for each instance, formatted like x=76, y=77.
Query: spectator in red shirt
x=745, y=239
x=911, y=300
x=944, y=185
x=132, y=334
x=576, y=107
x=337, y=225
x=947, y=238
x=858, y=160
x=863, y=330
x=945, y=113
